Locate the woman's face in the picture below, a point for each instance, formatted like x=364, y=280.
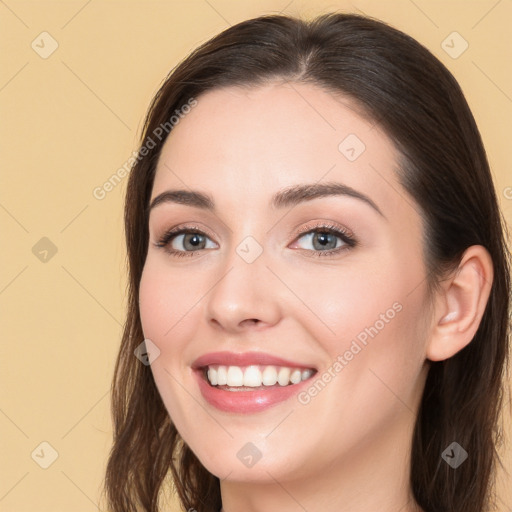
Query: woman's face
x=280, y=283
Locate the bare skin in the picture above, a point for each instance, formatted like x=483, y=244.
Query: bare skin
x=347, y=448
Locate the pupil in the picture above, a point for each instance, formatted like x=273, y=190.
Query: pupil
x=323, y=239
x=194, y=240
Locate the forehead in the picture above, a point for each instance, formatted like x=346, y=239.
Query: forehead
x=245, y=143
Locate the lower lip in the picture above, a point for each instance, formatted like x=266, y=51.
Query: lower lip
x=246, y=402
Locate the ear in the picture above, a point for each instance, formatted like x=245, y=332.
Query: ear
x=460, y=304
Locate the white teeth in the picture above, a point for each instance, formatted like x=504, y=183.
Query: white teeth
x=235, y=376
x=306, y=374
x=295, y=377
x=255, y=376
x=212, y=376
x=222, y=375
x=283, y=377
x=252, y=377
x=269, y=377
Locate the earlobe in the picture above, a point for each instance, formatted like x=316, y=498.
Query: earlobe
x=460, y=304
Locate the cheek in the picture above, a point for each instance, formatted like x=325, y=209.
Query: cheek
x=153, y=303
x=340, y=304
x=372, y=316
x=375, y=355
x=163, y=302
x=165, y=310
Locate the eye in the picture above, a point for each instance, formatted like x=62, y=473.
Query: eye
x=184, y=241
x=327, y=240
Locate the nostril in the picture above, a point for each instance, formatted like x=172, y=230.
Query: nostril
x=253, y=321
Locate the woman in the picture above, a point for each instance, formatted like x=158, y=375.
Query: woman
x=367, y=378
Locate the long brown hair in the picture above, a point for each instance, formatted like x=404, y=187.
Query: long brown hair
x=400, y=85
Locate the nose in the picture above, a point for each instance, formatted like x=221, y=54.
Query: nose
x=245, y=296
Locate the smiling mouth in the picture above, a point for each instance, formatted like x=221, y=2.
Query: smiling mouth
x=252, y=377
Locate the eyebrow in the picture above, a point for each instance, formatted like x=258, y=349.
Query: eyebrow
x=290, y=196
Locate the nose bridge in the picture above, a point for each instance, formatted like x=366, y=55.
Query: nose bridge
x=244, y=289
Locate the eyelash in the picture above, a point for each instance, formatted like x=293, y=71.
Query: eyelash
x=330, y=229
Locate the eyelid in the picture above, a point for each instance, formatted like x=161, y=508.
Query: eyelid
x=324, y=224
x=177, y=230
x=346, y=235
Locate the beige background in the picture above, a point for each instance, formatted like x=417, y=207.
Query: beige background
x=68, y=122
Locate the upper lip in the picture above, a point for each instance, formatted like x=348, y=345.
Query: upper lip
x=244, y=359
